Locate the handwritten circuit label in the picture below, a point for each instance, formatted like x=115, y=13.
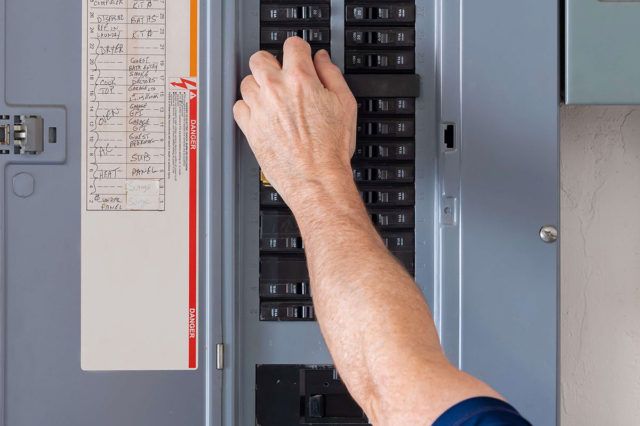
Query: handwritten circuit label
x=139, y=218
x=127, y=72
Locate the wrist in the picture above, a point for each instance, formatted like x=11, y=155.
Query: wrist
x=315, y=193
x=318, y=199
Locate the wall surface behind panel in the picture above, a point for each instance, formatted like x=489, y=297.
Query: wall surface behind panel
x=600, y=295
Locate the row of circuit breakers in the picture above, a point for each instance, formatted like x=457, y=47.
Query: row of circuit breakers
x=380, y=68
x=379, y=63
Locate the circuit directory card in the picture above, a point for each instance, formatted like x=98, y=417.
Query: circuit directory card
x=139, y=185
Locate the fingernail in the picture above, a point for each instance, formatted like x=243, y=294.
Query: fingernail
x=323, y=52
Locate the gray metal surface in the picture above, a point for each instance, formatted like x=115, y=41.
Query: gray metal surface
x=602, y=61
x=301, y=343
x=488, y=67
x=509, y=188
x=258, y=342
x=42, y=383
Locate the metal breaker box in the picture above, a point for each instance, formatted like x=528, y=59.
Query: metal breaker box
x=151, y=277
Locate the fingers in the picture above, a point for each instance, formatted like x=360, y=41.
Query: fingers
x=249, y=89
x=264, y=67
x=242, y=114
x=331, y=76
x=297, y=57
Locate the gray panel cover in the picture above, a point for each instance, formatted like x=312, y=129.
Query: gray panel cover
x=42, y=383
x=509, y=189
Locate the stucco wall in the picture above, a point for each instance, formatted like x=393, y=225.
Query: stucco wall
x=600, y=278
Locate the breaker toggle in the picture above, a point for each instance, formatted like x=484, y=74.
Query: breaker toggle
x=295, y=13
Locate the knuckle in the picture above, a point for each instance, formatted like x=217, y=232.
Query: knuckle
x=258, y=58
x=298, y=74
x=245, y=82
x=351, y=102
x=333, y=68
x=269, y=79
x=238, y=109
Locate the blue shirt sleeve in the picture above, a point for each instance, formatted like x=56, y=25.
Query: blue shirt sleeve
x=481, y=411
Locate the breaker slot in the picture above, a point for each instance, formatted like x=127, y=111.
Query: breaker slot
x=284, y=278
x=311, y=395
x=380, y=39
x=386, y=151
x=401, y=173
x=386, y=128
x=281, y=20
x=380, y=61
x=295, y=12
x=277, y=36
x=284, y=282
x=286, y=311
x=387, y=196
x=364, y=12
x=371, y=195
x=381, y=106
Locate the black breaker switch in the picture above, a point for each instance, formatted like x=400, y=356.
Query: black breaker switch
x=388, y=61
x=389, y=128
x=380, y=37
x=280, y=21
x=295, y=13
x=381, y=13
x=384, y=174
x=388, y=196
x=379, y=106
x=384, y=151
x=286, y=311
x=277, y=36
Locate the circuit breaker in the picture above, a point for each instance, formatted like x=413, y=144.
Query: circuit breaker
x=153, y=276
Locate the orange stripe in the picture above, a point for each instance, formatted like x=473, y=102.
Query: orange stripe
x=193, y=63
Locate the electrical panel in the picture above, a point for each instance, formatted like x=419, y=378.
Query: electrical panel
x=440, y=162
x=146, y=262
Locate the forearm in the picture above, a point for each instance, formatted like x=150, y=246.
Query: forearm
x=367, y=305
x=300, y=120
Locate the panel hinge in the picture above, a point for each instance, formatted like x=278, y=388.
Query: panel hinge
x=220, y=356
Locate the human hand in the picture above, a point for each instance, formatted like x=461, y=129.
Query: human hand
x=299, y=119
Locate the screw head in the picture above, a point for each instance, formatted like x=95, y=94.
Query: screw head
x=549, y=234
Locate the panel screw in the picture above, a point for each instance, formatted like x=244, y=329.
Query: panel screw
x=549, y=234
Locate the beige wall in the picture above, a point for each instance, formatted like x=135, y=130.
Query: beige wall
x=600, y=290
